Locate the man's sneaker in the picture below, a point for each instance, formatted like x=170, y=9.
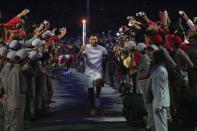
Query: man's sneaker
x=93, y=112
x=97, y=102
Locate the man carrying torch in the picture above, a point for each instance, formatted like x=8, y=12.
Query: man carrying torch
x=93, y=55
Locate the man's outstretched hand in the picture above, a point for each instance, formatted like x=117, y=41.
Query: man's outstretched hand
x=23, y=13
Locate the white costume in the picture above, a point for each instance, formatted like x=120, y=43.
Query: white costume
x=161, y=98
x=93, y=62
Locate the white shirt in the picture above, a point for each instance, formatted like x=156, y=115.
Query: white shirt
x=93, y=59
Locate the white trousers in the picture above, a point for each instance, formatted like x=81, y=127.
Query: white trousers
x=92, y=79
x=160, y=120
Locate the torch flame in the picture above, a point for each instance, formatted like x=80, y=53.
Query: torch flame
x=83, y=21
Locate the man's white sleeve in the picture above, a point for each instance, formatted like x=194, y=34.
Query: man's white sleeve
x=190, y=24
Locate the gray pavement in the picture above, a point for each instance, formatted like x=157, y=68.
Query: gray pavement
x=88, y=127
x=69, y=110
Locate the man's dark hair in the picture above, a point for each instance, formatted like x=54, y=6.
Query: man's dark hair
x=159, y=57
x=29, y=29
x=94, y=34
x=17, y=58
x=45, y=56
x=140, y=36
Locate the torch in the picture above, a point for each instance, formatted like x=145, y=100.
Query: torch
x=84, y=31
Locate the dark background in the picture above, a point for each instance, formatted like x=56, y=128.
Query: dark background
x=104, y=14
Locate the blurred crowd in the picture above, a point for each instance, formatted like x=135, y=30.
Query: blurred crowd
x=148, y=55
x=30, y=53
x=134, y=58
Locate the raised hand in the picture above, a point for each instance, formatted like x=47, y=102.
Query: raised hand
x=23, y=13
x=184, y=15
x=83, y=48
x=63, y=30
x=41, y=27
